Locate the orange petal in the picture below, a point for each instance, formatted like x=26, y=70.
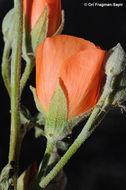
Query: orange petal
x=81, y=76
x=66, y=57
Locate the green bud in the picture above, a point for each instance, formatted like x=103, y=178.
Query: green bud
x=115, y=86
x=116, y=61
x=8, y=26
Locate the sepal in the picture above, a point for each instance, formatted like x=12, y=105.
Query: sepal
x=39, y=32
x=37, y=103
x=60, y=29
x=56, y=126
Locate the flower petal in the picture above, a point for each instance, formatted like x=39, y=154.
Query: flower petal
x=81, y=76
x=62, y=53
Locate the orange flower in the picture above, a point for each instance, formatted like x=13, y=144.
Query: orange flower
x=34, y=8
x=78, y=65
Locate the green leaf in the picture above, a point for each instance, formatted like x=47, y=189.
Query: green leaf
x=56, y=121
x=39, y=32
x=6, y=177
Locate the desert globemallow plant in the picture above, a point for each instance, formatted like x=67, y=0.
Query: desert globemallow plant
x=75, y=79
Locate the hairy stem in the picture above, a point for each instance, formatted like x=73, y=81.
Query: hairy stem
x=44, y=165
x=15, y=133
x=29, y=66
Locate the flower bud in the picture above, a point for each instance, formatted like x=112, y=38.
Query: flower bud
x=34, y=8
x=78, y=65
x=115, y=69
x=68, y=79
x=115, y=59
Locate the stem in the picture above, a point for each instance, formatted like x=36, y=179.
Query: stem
x=15, y=133
x=28, y=69
x=92, y=122
x=43, y=167
x=5, y=67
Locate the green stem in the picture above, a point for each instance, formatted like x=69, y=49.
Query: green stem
x=6, y=67
x=27, y=71
x=15, y=133
x=91, y=124
x=43, y=168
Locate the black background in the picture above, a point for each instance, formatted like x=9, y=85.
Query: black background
x=101, y=162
